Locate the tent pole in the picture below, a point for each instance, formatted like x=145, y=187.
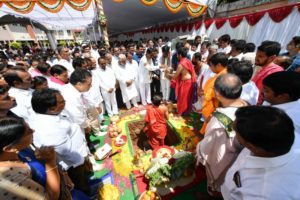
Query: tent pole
x=102, y=20
x=51, y=40
x=94, y=33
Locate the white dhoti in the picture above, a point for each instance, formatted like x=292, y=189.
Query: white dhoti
x=145, y=90
x=110, y=102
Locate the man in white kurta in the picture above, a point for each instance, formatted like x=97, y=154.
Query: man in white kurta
x=94, y=101
x=53, y=129
x=107, y=82
x=21, y=91
x=165, y=65
x=133, y=65
x=65, y=60
x=126, y=78
x=145, y=67
x=76, y=104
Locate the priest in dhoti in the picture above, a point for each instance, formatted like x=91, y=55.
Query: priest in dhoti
x=126, y=77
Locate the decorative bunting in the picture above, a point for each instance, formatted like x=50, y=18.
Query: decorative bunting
x=235, y=21
x=148, y=2
x=278, y=14
x=174, y=6
x=198, y=25
x=52, y=6
x=252, y=19
x=177, y=27
x=184, y=27
x=172, y=28
x=220, y=22
x=195, y=10
x=208, y=22
x=190, y=26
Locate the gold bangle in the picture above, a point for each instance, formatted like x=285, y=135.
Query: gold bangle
x=51, y=169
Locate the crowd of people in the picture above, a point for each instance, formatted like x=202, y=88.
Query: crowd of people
x=51, y=101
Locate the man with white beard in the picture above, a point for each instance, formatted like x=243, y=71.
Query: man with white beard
x=126, y=76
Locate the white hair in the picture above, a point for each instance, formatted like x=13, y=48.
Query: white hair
x=122, y=56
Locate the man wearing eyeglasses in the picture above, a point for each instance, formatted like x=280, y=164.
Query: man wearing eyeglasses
x=6, y=102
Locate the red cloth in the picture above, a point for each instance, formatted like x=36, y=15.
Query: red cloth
x=235, y=21
x=184, y=87
x=220, y=22
x=184, y=27
x=198, y=25
x=208, y=23
x=261, y=75
x=177, y=27
x=172, y=27
x=252, y=19
x=156, y=128
x=190, y=26
x=278, y=14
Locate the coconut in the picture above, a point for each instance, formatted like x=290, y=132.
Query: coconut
x=111, y=134
x=115, y=134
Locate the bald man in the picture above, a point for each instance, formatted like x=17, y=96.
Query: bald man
x=126, y=77
x=219, y=147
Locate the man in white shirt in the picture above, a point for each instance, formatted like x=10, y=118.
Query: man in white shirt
x=282, y=90
x=133, y=65
x=59, y=77
x=244, y=70
x=115, y=57
x=94, y=52
x=76, y=104
x=224, y=44
x=20, y=82
x=55, y=130
x=126, y=78
x=249, y=53
x=145, y=67
x=165, y=65
x=237, y=50
x=65, y=60
x=267, y=168
x=107, y=86
x=204, y=50
x=94, y=101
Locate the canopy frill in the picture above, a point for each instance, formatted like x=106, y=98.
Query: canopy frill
x=52, y=6
x=194, y=8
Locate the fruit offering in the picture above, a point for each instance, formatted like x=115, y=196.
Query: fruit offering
x=109, y=192
x=149, y=195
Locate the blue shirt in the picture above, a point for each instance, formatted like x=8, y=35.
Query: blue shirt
x=175, y=60
x=137, y=57
x=295, y=64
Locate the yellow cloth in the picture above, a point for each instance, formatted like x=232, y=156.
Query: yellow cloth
x=210, y=102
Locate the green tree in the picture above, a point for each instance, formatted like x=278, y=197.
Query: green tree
x=16, y=45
